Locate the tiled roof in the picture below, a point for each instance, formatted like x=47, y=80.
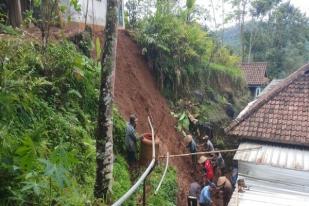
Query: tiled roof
x=270, y=86
x=255, y=73
x=281, y=115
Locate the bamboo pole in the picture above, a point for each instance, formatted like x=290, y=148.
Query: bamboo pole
x=212, y=152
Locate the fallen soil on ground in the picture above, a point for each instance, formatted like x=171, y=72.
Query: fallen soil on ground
x=136, y=92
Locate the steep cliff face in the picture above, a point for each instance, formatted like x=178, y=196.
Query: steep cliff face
x=136, y=92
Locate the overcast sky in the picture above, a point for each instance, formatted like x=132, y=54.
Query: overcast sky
x=303, y=5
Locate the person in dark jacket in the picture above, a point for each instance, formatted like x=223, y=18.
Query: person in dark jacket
x=219, y=163
x=194, y=194
x=131, y=139
x=191, y=145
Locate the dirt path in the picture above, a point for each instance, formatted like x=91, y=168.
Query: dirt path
x=135, y=91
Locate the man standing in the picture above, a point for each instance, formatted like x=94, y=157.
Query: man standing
x=224, y=185
x=131, y=139
x=209, y=147
x=191, y=145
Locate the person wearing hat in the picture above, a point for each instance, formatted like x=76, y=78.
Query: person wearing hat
x=191, y=145
x=224, y=185
x=205, y=196
x=208, y=144
x=207, y=169
x=131, y=139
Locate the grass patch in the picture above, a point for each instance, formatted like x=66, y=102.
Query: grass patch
x=122, y=182
x=167, y=194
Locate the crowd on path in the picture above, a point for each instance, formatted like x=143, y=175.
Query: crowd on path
x=211, y=167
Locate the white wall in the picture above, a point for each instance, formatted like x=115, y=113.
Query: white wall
x=293, y=179
x=96, y=11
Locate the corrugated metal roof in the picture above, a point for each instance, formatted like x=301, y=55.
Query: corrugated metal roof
x=276, y=156
x=265, y=193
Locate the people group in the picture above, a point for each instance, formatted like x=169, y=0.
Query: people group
x=209, y=170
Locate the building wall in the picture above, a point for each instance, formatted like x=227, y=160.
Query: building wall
x=96, y=12
x=293, y=179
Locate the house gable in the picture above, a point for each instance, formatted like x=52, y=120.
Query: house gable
x=281, y=115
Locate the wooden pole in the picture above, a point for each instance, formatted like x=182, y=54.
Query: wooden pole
x=144, y=192
x=212, y=152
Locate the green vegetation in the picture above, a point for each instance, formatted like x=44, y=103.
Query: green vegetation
x=184, y=56
x=168, y=191
x=8, y=30
x=122, y=175
x=122, y=182
x=48, y=104
x=277, y=33
x=187, y=61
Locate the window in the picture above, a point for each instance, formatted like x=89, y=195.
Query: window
x=257, y=91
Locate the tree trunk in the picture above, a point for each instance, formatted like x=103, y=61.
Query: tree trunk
x=242, y=24
x=250, y=47
x=58, y=13
x=86, y=14
x=14, y=9
x=45, y=10
x=104, y=132
x=223, y=22
x=214, y=13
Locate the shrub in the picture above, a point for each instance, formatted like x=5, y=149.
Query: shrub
x=167, y=194
x=48, y=107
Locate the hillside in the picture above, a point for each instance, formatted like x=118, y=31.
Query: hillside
x=136, y=92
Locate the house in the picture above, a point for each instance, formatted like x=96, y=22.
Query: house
x=270, y=86
x=96, y=12
x=255, y=76
x=277, y=173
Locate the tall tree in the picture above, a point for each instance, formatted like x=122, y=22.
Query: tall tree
x=190, y=6
x=281, y=39
x=104, y=132
x=240, y=12
x=260, y=9
x=14, y=9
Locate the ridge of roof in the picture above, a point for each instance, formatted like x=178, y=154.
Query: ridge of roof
x=268, y=96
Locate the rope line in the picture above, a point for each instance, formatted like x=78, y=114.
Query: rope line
x=212, y=152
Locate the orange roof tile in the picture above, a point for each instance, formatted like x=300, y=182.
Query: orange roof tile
x=255, y=73
x=281, y=115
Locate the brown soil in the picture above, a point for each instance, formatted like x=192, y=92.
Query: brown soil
x=136, y=92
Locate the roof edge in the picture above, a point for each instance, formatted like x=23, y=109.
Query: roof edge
x=264, y=99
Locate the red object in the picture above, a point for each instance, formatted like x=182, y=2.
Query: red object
x=209, y=175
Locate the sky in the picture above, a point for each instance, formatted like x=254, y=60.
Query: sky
x=303, y=5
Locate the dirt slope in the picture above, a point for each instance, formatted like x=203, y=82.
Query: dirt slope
x=135, y=91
